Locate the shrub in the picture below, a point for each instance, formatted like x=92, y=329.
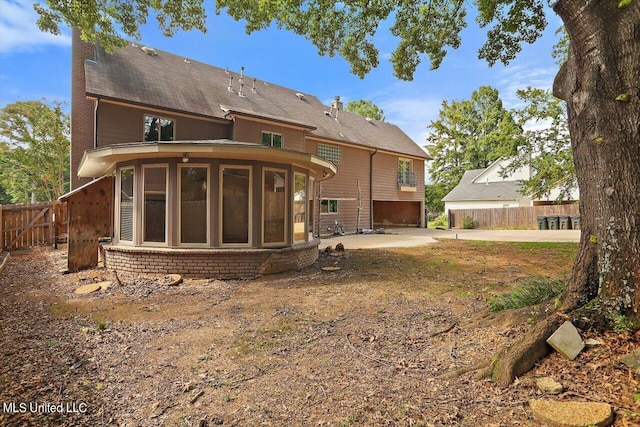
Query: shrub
x=440, y=221
x=528, y=292
x=468, y=222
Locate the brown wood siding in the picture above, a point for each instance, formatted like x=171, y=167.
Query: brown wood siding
x=343, y=186
x=118, y=124
x=385, y=179
x=250, y=131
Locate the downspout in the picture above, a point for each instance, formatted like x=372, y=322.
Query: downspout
x=95, y=124
x=371, y=188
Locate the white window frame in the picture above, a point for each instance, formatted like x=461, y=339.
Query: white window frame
x=266, y=132
x=286, y=206
x=208, y=203
x=156, y=116
x=220, y=204
x=143, y=207
x=328, y=205
x=119, y=201
x=305, y=233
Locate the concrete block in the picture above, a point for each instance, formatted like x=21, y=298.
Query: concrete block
x=566, y=341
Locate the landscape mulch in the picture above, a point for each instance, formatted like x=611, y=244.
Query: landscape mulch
x=382, y=341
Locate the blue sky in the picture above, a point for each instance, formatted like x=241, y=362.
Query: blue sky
x=35, y=65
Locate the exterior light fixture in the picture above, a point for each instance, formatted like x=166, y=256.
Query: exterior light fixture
x=185, y=157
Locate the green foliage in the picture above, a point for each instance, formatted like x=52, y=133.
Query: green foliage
x=365, y=109
x=433, y=194
x=423, y=28
x=545, y=146
x=622, y=324
x=34, y=157
x=526, y=293
x=561, y=49
x=440, y=221
x=468, y=223
x=101, y=325
x=470, y=134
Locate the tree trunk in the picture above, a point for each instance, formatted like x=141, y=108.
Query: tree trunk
x=604, y=64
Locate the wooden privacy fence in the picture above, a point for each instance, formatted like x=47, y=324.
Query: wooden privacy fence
x=510, y=218
x=25, y=225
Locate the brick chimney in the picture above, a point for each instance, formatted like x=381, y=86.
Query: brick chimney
x=82, y=110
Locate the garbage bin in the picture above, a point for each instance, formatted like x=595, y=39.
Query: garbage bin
x=542, y=223
x=575, y=222
x=565, y=222
x=553, y=222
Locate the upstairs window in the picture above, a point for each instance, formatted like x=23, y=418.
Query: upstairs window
x=158, y=129
x=272, y=139
x=330, y=152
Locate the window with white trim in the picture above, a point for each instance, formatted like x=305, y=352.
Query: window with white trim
x=328, y=206
x=126, y=197
x=330, y=152
x=158, y=128
x=194, y=203
x=272, y=139
x=155, y=203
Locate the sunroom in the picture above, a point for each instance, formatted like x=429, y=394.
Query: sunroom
x=215, y=208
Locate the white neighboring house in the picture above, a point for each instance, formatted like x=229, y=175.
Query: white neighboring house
x=486, y=189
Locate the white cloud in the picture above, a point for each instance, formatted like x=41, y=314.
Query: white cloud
x=412, y=114
x=18, y=29
x=520, y=77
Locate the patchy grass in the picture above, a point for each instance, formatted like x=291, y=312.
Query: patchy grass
x=526, y=293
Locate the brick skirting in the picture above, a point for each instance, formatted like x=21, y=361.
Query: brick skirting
x=210, y=263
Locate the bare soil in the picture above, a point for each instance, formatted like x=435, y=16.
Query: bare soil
x=393, y=338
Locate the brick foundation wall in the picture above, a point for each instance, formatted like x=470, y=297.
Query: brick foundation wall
x=210, y=263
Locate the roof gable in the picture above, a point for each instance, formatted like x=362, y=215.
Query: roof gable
x=471, y=187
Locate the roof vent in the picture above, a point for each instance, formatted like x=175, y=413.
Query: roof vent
x=300, y=95
x=149, y=51
x=226, y=71
x=369, y=119
x=241, y=92
x=336, y=104
x=230, y=88
x=186, y=61
x=327, y=113
x=253, y=89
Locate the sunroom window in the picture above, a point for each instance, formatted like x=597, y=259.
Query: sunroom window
x=126, y=204
x=155, y=203
x=299, y=207
x=194, y=184
x=235, y=187
x=274, y=206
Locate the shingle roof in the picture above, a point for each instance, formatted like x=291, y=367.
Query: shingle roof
x=469, y=190
x=169, y=81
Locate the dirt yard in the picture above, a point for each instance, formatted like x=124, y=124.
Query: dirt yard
x=390, y=339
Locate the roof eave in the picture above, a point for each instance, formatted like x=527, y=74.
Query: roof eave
x=103, y=160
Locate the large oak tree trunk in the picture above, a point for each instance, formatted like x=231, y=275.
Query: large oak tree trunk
x=603, y=63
